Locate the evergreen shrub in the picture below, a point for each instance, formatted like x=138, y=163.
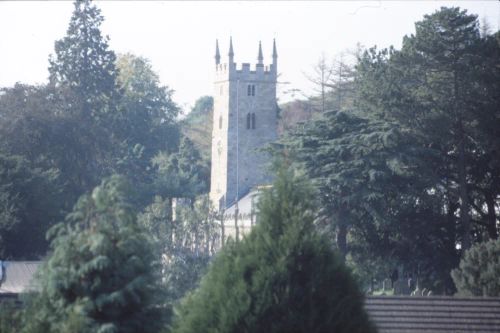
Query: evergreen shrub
x=479, y=271
x=102, y=275
x=282, y=277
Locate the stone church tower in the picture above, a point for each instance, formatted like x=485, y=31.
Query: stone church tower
x=245, y=119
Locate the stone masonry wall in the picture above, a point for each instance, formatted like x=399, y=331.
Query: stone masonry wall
x=237, y=165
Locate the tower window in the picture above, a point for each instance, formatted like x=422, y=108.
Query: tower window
x=251, y=120
x=221, y=90
x=251, y=90
x=220, y=122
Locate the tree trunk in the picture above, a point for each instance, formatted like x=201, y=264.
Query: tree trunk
x=464, y=197
x=491, y=218
x=222, y=230
x=169, y=221
x=462, y=172
x=207, y=237
x=451, y=222
x=236, y=228
x=196, y=242
x=342, y=240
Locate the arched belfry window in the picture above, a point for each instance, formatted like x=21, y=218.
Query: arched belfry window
x=248, y=120
x=253, y=120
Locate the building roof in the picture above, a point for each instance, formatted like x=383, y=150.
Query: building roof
x=16, y=276
x=244, y=204
x=436, y=314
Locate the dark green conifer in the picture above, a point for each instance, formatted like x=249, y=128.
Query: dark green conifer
x=282, y=277
x=102, y=275
x=82, y=61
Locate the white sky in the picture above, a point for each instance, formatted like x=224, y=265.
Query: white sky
x=179, y=37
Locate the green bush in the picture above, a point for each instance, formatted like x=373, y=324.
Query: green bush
x=479, y=270
x=10, y=316
x=282, y=277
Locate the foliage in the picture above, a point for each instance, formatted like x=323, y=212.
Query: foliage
x=186, y=243
x=183, y=271
x=197, y=125
x=37, y=123
x=202, y=106
x=283, y=277
x=294, y=113
x=83, y=63
x=102, y=275
x=333, y=83
x=355, y=163
x=129, y=114
x=372, y=177
x=181, y=174
x=413, y=167
x=59, y=158
x=10, y=316
x=156, y=220
x=28, y=206
x=444, y=84
x=96, y=117
x=450, y=99
x=144, y=125
x=479, y=270
x=147, y=110
x=196, y=227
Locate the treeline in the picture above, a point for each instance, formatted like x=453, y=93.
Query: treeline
x=401, y=175
x=100, y=114
x=405, y=151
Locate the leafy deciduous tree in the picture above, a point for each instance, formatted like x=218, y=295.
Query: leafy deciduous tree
x=147, y=110
x=29, y=205
x=186, y=243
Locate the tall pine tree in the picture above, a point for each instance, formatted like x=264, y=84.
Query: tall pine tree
x=83, y=63
x=444, y=83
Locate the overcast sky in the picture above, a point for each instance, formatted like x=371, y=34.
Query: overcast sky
x=179, y=37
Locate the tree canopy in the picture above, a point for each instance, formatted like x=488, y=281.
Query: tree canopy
x=409, y=174
x=444, y=82
x=98, y=115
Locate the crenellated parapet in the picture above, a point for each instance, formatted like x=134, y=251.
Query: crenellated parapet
x=245, y=72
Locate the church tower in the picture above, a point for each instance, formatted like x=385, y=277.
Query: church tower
x=245, y=120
